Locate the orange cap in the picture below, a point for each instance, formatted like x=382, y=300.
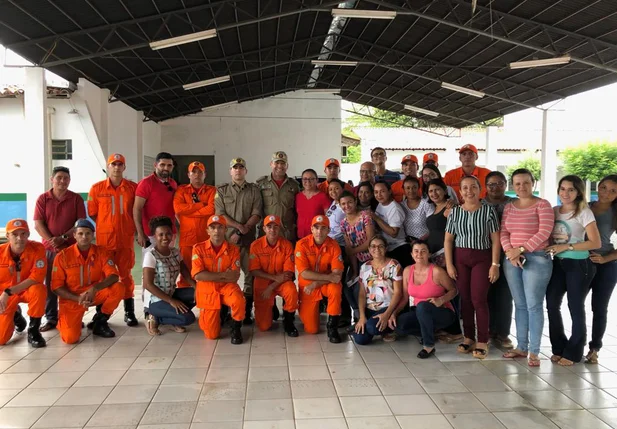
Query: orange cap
x=197, y=164
x=116, y=157
x=322, y=219
x=468, y=147
x=272, y=219
x=430, y=157
x=16, y=224
x=408, y=158
x=217, y=219
x=331, y=161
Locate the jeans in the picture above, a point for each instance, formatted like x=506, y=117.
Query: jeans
x=51, y=303
x=351, y=295
x=571, y=276
x=528, y=287
x=602, y=287
x=370, y=328
x=425, y=319
x=165, y=314
x=500, y=305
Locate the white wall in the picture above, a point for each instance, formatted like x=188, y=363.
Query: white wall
x=306, y=126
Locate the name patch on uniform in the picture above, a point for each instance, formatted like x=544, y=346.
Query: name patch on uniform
x=40, y=263
x=110, y=262
x=195, y=257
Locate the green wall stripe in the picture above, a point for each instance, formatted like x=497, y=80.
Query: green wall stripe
x=13, y=197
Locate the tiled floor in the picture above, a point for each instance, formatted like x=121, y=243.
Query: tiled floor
x=181, y=381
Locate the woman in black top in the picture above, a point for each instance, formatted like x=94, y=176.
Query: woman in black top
x=436, y=223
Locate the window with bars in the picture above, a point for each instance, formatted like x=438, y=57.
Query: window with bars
x=61, y=149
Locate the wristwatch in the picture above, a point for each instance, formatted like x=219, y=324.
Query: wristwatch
x=8, y=291
x=570, y=247
x=495, y=264
x=521, y=249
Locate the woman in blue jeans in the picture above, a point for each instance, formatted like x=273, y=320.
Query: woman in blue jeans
x=605, y=260
x=161, y=267
x=575, y=233
x=526, y=226
x=380, y=291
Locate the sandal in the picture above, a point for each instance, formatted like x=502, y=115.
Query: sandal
x=480, y=353
x=465, y=348
x=533, y=360
x=152, y=326
x=516, y=353
x=555, y=358
x=178, y=329
x=565, y=362
x=592, y=356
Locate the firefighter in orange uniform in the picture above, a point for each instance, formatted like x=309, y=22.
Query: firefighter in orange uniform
x=271, y=263
x=332, y=168
x=216, y=269
x=468, y=155
x=85, y=275
x=193, y=204
x=110, y=205
x=22, y=271
x=320, y=266
x=409, y=167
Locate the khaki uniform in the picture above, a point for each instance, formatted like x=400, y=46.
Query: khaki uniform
x=240, y=203
x=280, y=202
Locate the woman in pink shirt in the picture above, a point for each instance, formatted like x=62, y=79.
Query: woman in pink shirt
x=526, y=226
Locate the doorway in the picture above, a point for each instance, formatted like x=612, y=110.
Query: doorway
x=182, y=164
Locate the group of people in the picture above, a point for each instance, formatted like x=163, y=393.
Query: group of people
x=396, y=255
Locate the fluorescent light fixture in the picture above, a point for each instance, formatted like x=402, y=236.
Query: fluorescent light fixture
x=207, y=82
x=324, y=90
x=540, y=63
x=181, y=40
x=334, y=63
x=366, y=14
x=421, y=110
x=462, y=89
x=219, y=106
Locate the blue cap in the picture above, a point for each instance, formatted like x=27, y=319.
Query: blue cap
x=84, y=223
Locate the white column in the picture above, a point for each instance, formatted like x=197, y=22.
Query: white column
x=36, y=142
x=548, y=185
x=491, y=148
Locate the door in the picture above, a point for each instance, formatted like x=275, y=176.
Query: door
x=182, y=164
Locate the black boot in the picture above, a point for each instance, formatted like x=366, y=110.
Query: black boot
x=288, y=324
x=19, y=320
x=35, y=338
x=90, y=324
x=275, y=312
x=101, y=328
x=224, y=316
x=129, y=312
x=249, y=307
x=236, y=333
x=332, y=327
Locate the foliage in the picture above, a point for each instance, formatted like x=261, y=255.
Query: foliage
x=353, y=154
x=369, y=117
x=531, y=163
x=591, y=161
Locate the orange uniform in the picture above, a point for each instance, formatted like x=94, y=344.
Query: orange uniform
x=321, y=259
x=193, y=218
x=209, y=296
x=398, y=192
x=323, y=187
x=453, y=178
x=272, y=260
x=33, y=266
x=112, y=209
x=77, y=274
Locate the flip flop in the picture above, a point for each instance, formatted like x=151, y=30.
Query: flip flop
x=516, y=353
x=480, y=353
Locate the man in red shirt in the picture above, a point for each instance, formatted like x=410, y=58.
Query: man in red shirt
x=55, y=213
x=468, y=154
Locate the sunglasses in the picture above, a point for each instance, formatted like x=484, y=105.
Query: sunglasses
x=169, y=188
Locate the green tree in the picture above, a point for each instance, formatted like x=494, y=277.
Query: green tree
x=531, y=163
x=353, y=154
x=591, y=161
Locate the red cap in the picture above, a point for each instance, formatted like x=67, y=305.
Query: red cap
x=272, y=219
x=468, y=147
x=331, y=161
x=16, y=224
x=431, y=156
x=322, y=219
x=197, y=164
x=217, y=219
x=116, y=157
x=408, y=158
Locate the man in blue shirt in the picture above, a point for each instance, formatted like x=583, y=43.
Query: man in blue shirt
x=379, y=158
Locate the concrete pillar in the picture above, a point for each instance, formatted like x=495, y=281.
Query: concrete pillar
x=491, y=148
x=37, y=139
x=548, y=186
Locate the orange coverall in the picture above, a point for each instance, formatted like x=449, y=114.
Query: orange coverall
x=323, y=187
x=33, y=267
x=320, y=259
x=193, y=218
x=453, y=179
x=77, y=274
x=398, y=193
x=210, y=295
x=112, y=210
x=272, y=260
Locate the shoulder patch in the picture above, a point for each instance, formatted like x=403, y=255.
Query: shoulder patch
x=40, y=263
x=110, y=262
x=252, y=256
x=195, y=257
x=55, y=269
x=237, y=263
x=340, y=258
x=298, y=254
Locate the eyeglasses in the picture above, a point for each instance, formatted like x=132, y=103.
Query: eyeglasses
x=308, y=179
x=377, y=247
x=496, y=185
x=169, y=188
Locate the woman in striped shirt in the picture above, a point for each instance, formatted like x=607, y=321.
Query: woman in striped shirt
x=525, y=229
x=473, y=228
